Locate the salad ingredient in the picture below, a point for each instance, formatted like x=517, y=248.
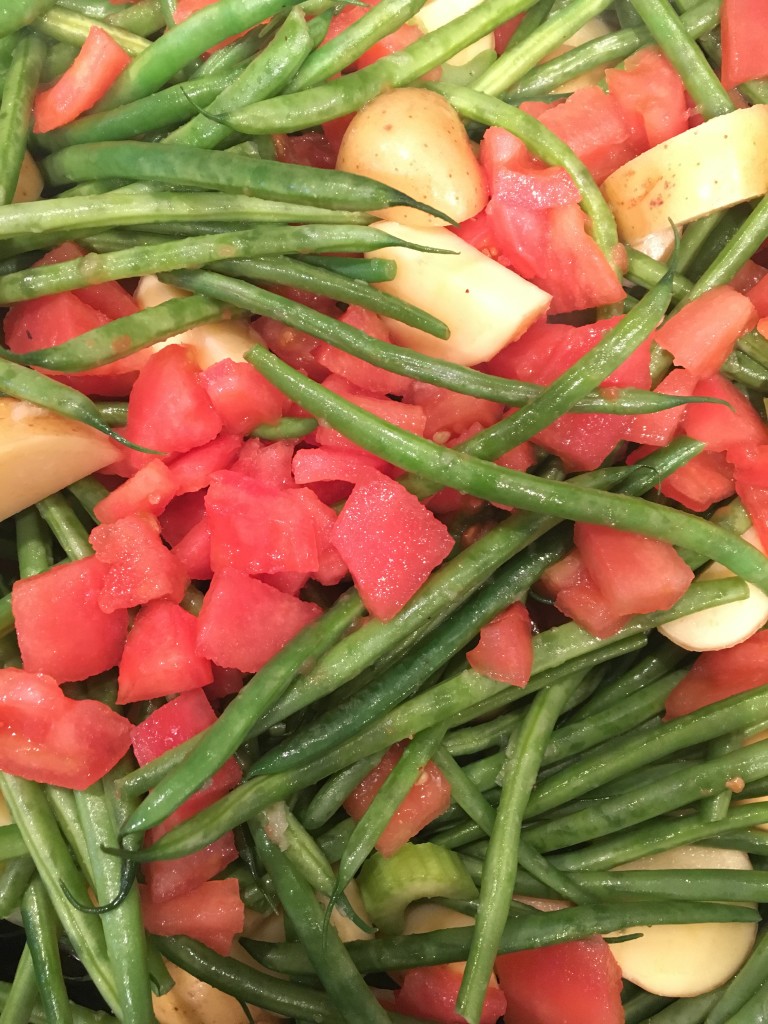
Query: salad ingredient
x=742, y=26
x=729, y=625
x=708, y=168
x=475, y=297
x=414, y=141
x=474, y=59
x=683, y=961
x=42, y=452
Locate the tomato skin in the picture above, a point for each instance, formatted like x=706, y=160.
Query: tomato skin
x=48, y=737
x=505, y=649
x=61, y=627
x=569, y=983
x=98, y=64
x=716, y=675
x=428, y=799
x=744, y=29
x=430, y=993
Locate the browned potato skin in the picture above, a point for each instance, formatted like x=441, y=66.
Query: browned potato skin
x=413, y=140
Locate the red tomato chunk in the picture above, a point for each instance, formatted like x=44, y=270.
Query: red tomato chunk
x=505, y=649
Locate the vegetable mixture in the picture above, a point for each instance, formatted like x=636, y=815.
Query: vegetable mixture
x=384, y=510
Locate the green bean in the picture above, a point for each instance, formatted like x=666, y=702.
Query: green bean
x=71, y=27
x=646, y=271
x=80, y=1014
x=740, y=988
x=65, y=526
x=247, y=984
x=508, y=487
x=698, y=77
x=545, y=145
x=15, y=876
x=266, y=75
x=522, y=931
x=31, y=386
x=338, y=53
x=686, y=1011
x=33, y=543
x=236, y=721
x=755, y=1010
x=332, y=794
x=173, y=51
x=662, y=835
x=659, y=662
x=500, y=867
x=373, y=270
x=436, y=371
x=18, y=94
x=14, y=15
x=23, y=992
x=379, y=812
x=556, y=29
x=12, y=844
x=287, y=427
x=40, y=926
x=164, y=109
x=702, y=884
x=351, y=996
x=626, y=754
x=223, y=172
x=740, y=247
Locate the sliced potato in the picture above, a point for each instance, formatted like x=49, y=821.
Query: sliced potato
x=484, y=304
x=718, y=164
x=29, y=187
x=414, y=141
x=727, y=625
x=687, y=959
x=41, y=452
x=191, y=1001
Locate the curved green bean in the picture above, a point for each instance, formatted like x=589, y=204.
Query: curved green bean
x=15, y=111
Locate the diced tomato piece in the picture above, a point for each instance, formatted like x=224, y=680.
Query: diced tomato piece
x=167, y=879
x=244, y=622
x=593, y=124
x=98, y=64
x=400, y=414
x=323, y=463
x=148, y=491
x=357, y=371
x=505, y=649
x=257, y=528
x=55, y=319
x=193, y=470
x=743, y=30
x=504, y=32
x=290, y=344
x=139, y=566
x=651, y=95
x=331, y=567
x=716, y=675
x=394, y=43
x=390, y=542
x=577, y=595
x=721, y=427
x=168, y=409
x=449, y=414
x=430, y=993
x=428, y=799
x=48, y=737
x=226, y=683
x=567, y=983
x=181, y=515
x=193, y=551
x=109, y=297
x=241, y=396
x=758, y=296
x=703, y=334
x=706, y=479
x=658, y=428
x=269, y=464
x=636, y=574
x=61, y=628
x=750, y=462
x=213, y=913
x=755, y=501
x=159, y=658
x=309, y=149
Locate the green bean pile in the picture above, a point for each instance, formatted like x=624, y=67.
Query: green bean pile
x=553, y=785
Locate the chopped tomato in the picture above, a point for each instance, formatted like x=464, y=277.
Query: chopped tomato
x=703, y=334
x=743, y=31
x=98, y=64
x=505, y=650
x=430, y=993
x=48, y=737
x=716, y=675
x=651, y=96
x=428, y=799
x=213, y=913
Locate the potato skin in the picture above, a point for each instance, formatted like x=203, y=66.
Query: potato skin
x=413, y=140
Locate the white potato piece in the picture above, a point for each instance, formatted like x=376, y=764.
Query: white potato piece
x=727, y=625
x=413, y=140
x=223, y=339
x=191, y=1001
x=29, y=187
x=716, y=165
x=687, y=959
x=484, y=304
x=41, y=452
x=473, y=59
